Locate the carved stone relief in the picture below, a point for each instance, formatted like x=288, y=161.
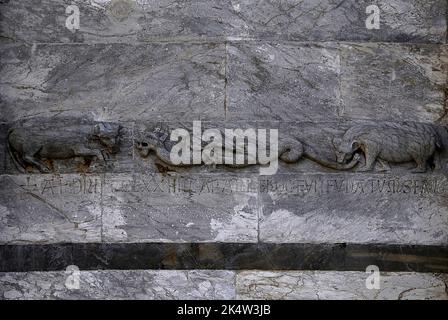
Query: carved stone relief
x=34, y=148
x=360, y=147
x=398, y=143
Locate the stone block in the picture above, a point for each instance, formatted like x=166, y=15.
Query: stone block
x=50, y=208
x=179, y=208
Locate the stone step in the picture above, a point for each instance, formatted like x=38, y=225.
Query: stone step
x=163, y=20
x=217, y=284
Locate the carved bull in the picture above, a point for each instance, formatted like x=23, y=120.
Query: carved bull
x=31, y=146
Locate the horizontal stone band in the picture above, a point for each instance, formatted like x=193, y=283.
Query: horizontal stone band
x=223, y=256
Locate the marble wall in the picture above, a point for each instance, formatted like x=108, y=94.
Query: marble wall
x=310, y=69
x=218, y=284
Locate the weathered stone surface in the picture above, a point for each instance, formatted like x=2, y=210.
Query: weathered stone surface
x=335, y=20
x=309, y=82
x=217, y=284
x=67, y=145
x=4, y=156
x=310, y=20
x=113, y=82
x=149, y=159
x=394, y=82
x=50, y=208
x=270, y=81
x=368, y=208
x=124, y=284
x=173, y=208
x=330, y=285
x=146, y=200
x=265, y=81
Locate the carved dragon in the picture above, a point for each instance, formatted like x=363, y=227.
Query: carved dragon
x=290, y=151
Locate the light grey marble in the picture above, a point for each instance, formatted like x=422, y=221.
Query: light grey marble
x=50, y=209
x=179, y=208
x=116, y=82
x=119, y=284
x=143, y=20
x=367, y=208
x=390, y=82
x=330, y=81
x=325, y=20
x=217, y=284
x=343, y=285
x=274, y=81
x=234, y=81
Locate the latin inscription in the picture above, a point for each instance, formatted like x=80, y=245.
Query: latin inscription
x=62, y=185
x=197, y=184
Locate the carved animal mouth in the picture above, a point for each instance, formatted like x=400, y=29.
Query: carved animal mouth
x=345, y=159
x=114, y=149
x=143, y=152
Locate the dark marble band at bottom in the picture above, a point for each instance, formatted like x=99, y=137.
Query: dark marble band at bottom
x=229, y=256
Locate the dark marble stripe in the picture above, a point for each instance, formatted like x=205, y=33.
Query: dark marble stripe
x=231, y=256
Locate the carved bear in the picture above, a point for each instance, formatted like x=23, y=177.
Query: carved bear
x=391, y=142
x=31, y=146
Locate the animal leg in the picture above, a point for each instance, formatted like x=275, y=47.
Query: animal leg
x=439, y=162
x=89, y=153
x=384, y=165
x=370, y=160
x=18, y=162
x=40, y=166
x=421, y=166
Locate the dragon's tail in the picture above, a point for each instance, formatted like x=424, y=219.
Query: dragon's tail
x=312, y=155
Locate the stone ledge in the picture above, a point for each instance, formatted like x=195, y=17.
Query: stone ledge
x=229, y=256
x=124, y=284
x=219, y=284
x=318, y=285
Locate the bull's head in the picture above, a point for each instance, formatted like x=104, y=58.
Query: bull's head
x=108, y=135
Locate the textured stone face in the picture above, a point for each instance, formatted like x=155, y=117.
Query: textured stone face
x=85, y=123
x=48, y=209
x=283, y=81
x=319, y=285
x=173, y=208
x=394, y=83
x=113, y=82
x=310, y=20
x=373, y=208
x=140, y=285
x=193, y=285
